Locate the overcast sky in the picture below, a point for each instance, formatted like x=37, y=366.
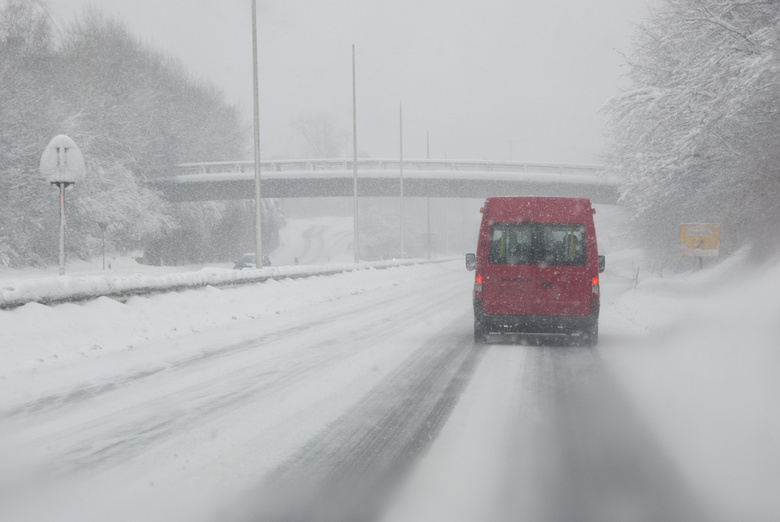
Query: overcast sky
x=483, y=78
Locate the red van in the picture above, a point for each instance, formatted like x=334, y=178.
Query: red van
x=537, y=268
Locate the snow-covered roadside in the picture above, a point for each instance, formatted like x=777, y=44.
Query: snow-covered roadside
x=698, y=353
x=35, y=336
x=304, y=349
x=60, y=289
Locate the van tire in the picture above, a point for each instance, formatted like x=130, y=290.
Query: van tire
x=590, y=337
x=480, y=335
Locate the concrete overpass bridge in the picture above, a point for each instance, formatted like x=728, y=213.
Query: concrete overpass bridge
x=381, y=178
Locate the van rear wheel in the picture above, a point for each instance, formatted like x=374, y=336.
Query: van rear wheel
x=590, y=337
x=480, y=335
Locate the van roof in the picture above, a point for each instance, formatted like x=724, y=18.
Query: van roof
x=538, y=208
x=545, y=198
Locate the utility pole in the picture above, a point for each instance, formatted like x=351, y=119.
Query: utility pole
x=258, y=205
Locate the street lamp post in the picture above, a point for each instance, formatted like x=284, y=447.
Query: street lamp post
x=356, y=222
x=401, y=166
x=258, y=203
x=428, y=199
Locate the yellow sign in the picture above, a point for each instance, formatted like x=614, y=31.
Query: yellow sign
x=699, y=240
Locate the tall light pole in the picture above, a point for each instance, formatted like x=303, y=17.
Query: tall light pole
x=428, y=199
x=354, y=160
x=258, y=206
x=401, y=165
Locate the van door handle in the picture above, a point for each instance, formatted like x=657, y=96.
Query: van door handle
x=547, y=285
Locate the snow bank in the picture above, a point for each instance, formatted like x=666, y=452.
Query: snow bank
x=698, y=353
x=60, y=289
x=34, y=336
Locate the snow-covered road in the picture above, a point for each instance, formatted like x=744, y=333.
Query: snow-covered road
x=361, y=396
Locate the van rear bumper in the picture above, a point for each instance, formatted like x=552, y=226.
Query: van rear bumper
x=542, y=324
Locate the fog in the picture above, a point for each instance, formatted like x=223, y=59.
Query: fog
x=485, y=80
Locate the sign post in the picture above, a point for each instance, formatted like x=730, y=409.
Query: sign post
x=63, y=164
x=103, y=225
x=699, y=240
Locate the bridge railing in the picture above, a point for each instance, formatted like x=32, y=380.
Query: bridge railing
x=221, y=167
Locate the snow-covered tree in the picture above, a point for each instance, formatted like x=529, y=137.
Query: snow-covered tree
x=695, y=137
x=141, y=105
x=26, y=65
x=133, y=111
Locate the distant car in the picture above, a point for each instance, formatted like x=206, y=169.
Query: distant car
x=250, y=261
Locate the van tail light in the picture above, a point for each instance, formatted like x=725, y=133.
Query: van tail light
x=594, y=289
x=478, y=284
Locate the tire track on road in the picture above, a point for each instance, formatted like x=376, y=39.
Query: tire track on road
x=584, y=455
x=347, y=472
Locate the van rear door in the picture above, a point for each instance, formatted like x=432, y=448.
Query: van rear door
x=509, y=286
x=564, y=278
x=564, y=286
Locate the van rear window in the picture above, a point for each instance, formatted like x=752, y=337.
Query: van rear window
x=561, y=244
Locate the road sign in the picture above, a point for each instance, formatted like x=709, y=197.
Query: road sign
x=699, y=240
x=62, y=161
x=63, y=164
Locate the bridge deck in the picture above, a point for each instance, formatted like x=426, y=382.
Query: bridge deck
x=381, y=178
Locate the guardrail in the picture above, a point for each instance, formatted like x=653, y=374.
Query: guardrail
x=385, y=164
